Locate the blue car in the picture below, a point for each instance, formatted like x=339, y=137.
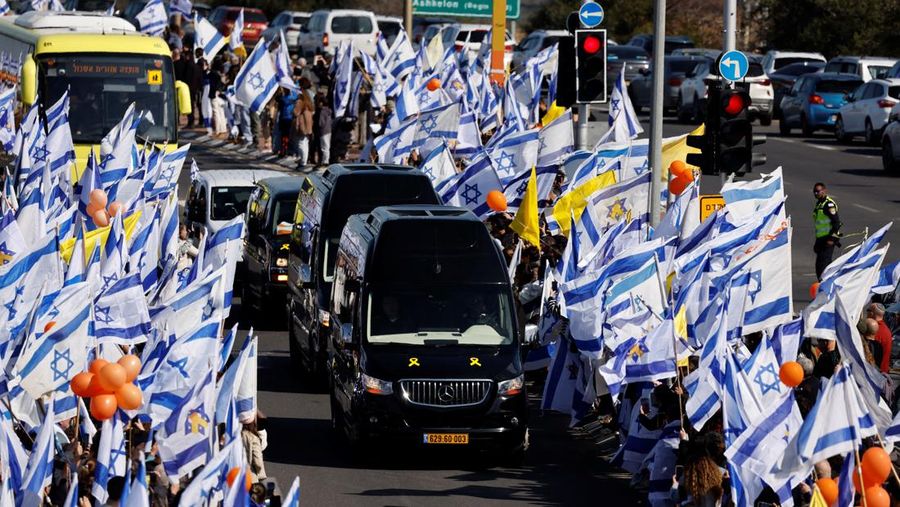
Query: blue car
x=814, y=100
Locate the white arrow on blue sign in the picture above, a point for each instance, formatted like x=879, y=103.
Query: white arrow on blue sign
x=733, y=65
x=590, y=14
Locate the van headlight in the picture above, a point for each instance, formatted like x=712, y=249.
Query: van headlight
x=373, y=385
x=512, y=386
x=281, y=262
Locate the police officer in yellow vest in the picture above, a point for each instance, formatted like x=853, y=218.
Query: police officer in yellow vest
x=828, y=228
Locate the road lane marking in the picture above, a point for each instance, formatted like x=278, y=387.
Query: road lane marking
x=820, y=146
x=873, y=210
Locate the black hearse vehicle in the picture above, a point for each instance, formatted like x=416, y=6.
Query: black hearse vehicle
x=269, y=220
x=424, y=340
x=324, y=204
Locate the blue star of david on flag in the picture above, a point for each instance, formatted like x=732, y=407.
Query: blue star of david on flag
x=53, y=312
x=109, y=280
x=429, y=124
x=471, y=194
x=167, y=173
x=256, y=81
x=614, y=106
x=39, y=153
x=101, y=314
x=114, y=455
x=755, y=285
x=179, y=365
x=767, y=379
x=643, y=168
x=506, y=162
x=542, y=144
x=522, y=187
x=61, y=365
x=208, y=309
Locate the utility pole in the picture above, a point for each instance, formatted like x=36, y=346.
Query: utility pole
x=584, y=112
x=730, y=16
x=498, y=42
x=656, y=109
x=407, y=17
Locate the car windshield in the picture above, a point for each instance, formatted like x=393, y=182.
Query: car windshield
x=879, y=71
x=440, y=315
x=754, y=70
x=831, y=86
x=301, y=20
x=787, y=60
x=249, y=16
x=681, y=66
x=229, y=202
x=101, y=87
x=389, y=29
x=475, y=37
x=351, y=24
x=894, y=91
x=673, y=45
x=797, y=69
x=284, y=215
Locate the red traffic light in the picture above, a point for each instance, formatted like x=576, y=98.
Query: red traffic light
x=591, y=44
x=735, y=103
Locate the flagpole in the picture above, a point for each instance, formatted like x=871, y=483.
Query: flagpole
x=862, y=483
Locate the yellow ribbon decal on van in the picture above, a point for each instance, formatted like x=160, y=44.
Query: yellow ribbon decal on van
x=473, y=361
x=286, y=246
x=413, y=361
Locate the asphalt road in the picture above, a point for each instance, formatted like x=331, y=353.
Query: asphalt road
x=562, y=466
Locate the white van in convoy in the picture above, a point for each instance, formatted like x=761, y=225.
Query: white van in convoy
x=327, y=29
x=217, y=196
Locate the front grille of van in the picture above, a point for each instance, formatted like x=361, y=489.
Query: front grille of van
x=445, y=393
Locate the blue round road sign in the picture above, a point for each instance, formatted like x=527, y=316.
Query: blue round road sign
x=733, y=65
x=590, y=14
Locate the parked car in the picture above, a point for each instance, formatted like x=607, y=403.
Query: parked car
x=422, y=23
x=469, y=38
x=673, y=42
x=814, y=101
x=628, y=59
x=866, y=67
x=759, y=86
x=255, y=22
x=867, y=110
x=641, y=88
x=219, y=195
x=269, y=221
x=710, y=53
x=390, y=27
x=783, y=79
x=691, y=102
x=448, y=33
x=327, y=29
x=534, y=43
x=776, y=60
x=290, y=22
x=890, y=143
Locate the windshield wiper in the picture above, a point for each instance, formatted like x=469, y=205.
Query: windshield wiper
x=440, y=342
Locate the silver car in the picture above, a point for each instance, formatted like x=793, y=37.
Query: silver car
x=534, y=43
x=890, y=143
x=641, y=88
x=630, y=60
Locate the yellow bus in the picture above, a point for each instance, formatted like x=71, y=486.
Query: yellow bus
x=105, y=64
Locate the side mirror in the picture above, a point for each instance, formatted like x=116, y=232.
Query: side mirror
x=352, y=285
x=347, y=333
x=183, y=96
x=29, y=80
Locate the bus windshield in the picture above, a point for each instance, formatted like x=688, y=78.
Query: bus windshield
x=102, y=86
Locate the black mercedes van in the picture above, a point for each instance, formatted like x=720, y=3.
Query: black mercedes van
x=424, y=344
x=325, y=202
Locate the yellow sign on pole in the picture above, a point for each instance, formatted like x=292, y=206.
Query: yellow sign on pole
x=498, y=42
x=709, y=204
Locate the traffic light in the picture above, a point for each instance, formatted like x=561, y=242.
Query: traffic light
x=590, y=65
x=707, y=143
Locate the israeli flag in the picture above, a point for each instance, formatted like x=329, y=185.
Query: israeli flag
x=639, y=441
x=627, y=200
x=236, y=39
x=185, y=439
x=139, y=496
x=743, y=199
x=395, y=145
x=143, y=254
x=120, y=313
x=468, y=140
x=676, y=212
x=651, y=357
x=436, y=126
x=343, y=61
x=4, y=10
x=59, y=139
x=283, y=64
x=556, y=140
x=627, y=159
x=257, y=80
x=407, y=103
x=171, y=165
x=207, y=38
x=200, y=301
x=152, y=18
x=111, y=457
x=184, y=7
x=569, y=382
x=231, y=381
x=168, y=247
x=438, y=165
x=644, y=287
x=401, y=59
x=469, y=189
x=515, y=153
x=514, y=190
x=13, y=457
x=623, y=121
x=292, y=498
x=888, y=278
x=11, y=239
x=208, y=481
x=225, y=248
x=7, y=109
x=40, y=464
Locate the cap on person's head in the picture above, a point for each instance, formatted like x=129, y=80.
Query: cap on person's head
x=877, y=309
x=301, y=61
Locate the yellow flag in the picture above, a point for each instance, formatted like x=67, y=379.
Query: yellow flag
x=676, y=148
x=572, y=203
x=817, y=499
x=526, y=222
x=553, y=112
x=100, y=234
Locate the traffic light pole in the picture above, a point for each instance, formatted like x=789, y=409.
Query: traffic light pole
x=656, y=110
x=730, y=16
x=408, y=17
x=584, y=111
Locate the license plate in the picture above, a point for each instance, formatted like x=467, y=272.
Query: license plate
x=446, y=438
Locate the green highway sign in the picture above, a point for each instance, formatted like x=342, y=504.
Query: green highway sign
x=468, y=8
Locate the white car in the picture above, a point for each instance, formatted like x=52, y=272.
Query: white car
x=867, y=110
x=390, y=27
x=691, y=102
x=219, y=195
x=290, y=22
x=327, y=29
x=469, y=38
x=533, y=44
x=890, y=143
x=775, y=60
x=866, y=67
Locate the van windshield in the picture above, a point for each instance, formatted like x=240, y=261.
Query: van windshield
x=229, y=202
x=479, y=315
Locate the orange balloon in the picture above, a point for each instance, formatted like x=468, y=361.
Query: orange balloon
x=112, y=377
x=132, y=365
x=98, y=197
x=876, y=465
x=791, y=373
x=49, y=325
x=496, y=200
x=101, y=218
x=103, y=406
x=829, y=489
x=689, y=175
x=433, y=84
x=97, y=365
x=232, y=474
x=677, y=185
x=678, y=168
x=115, y=208
x=876, y=496
x=94, y=388
x=129, y=396
x=92, y=208
x=866, y=480
x=813, y=290
x=80, y=383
